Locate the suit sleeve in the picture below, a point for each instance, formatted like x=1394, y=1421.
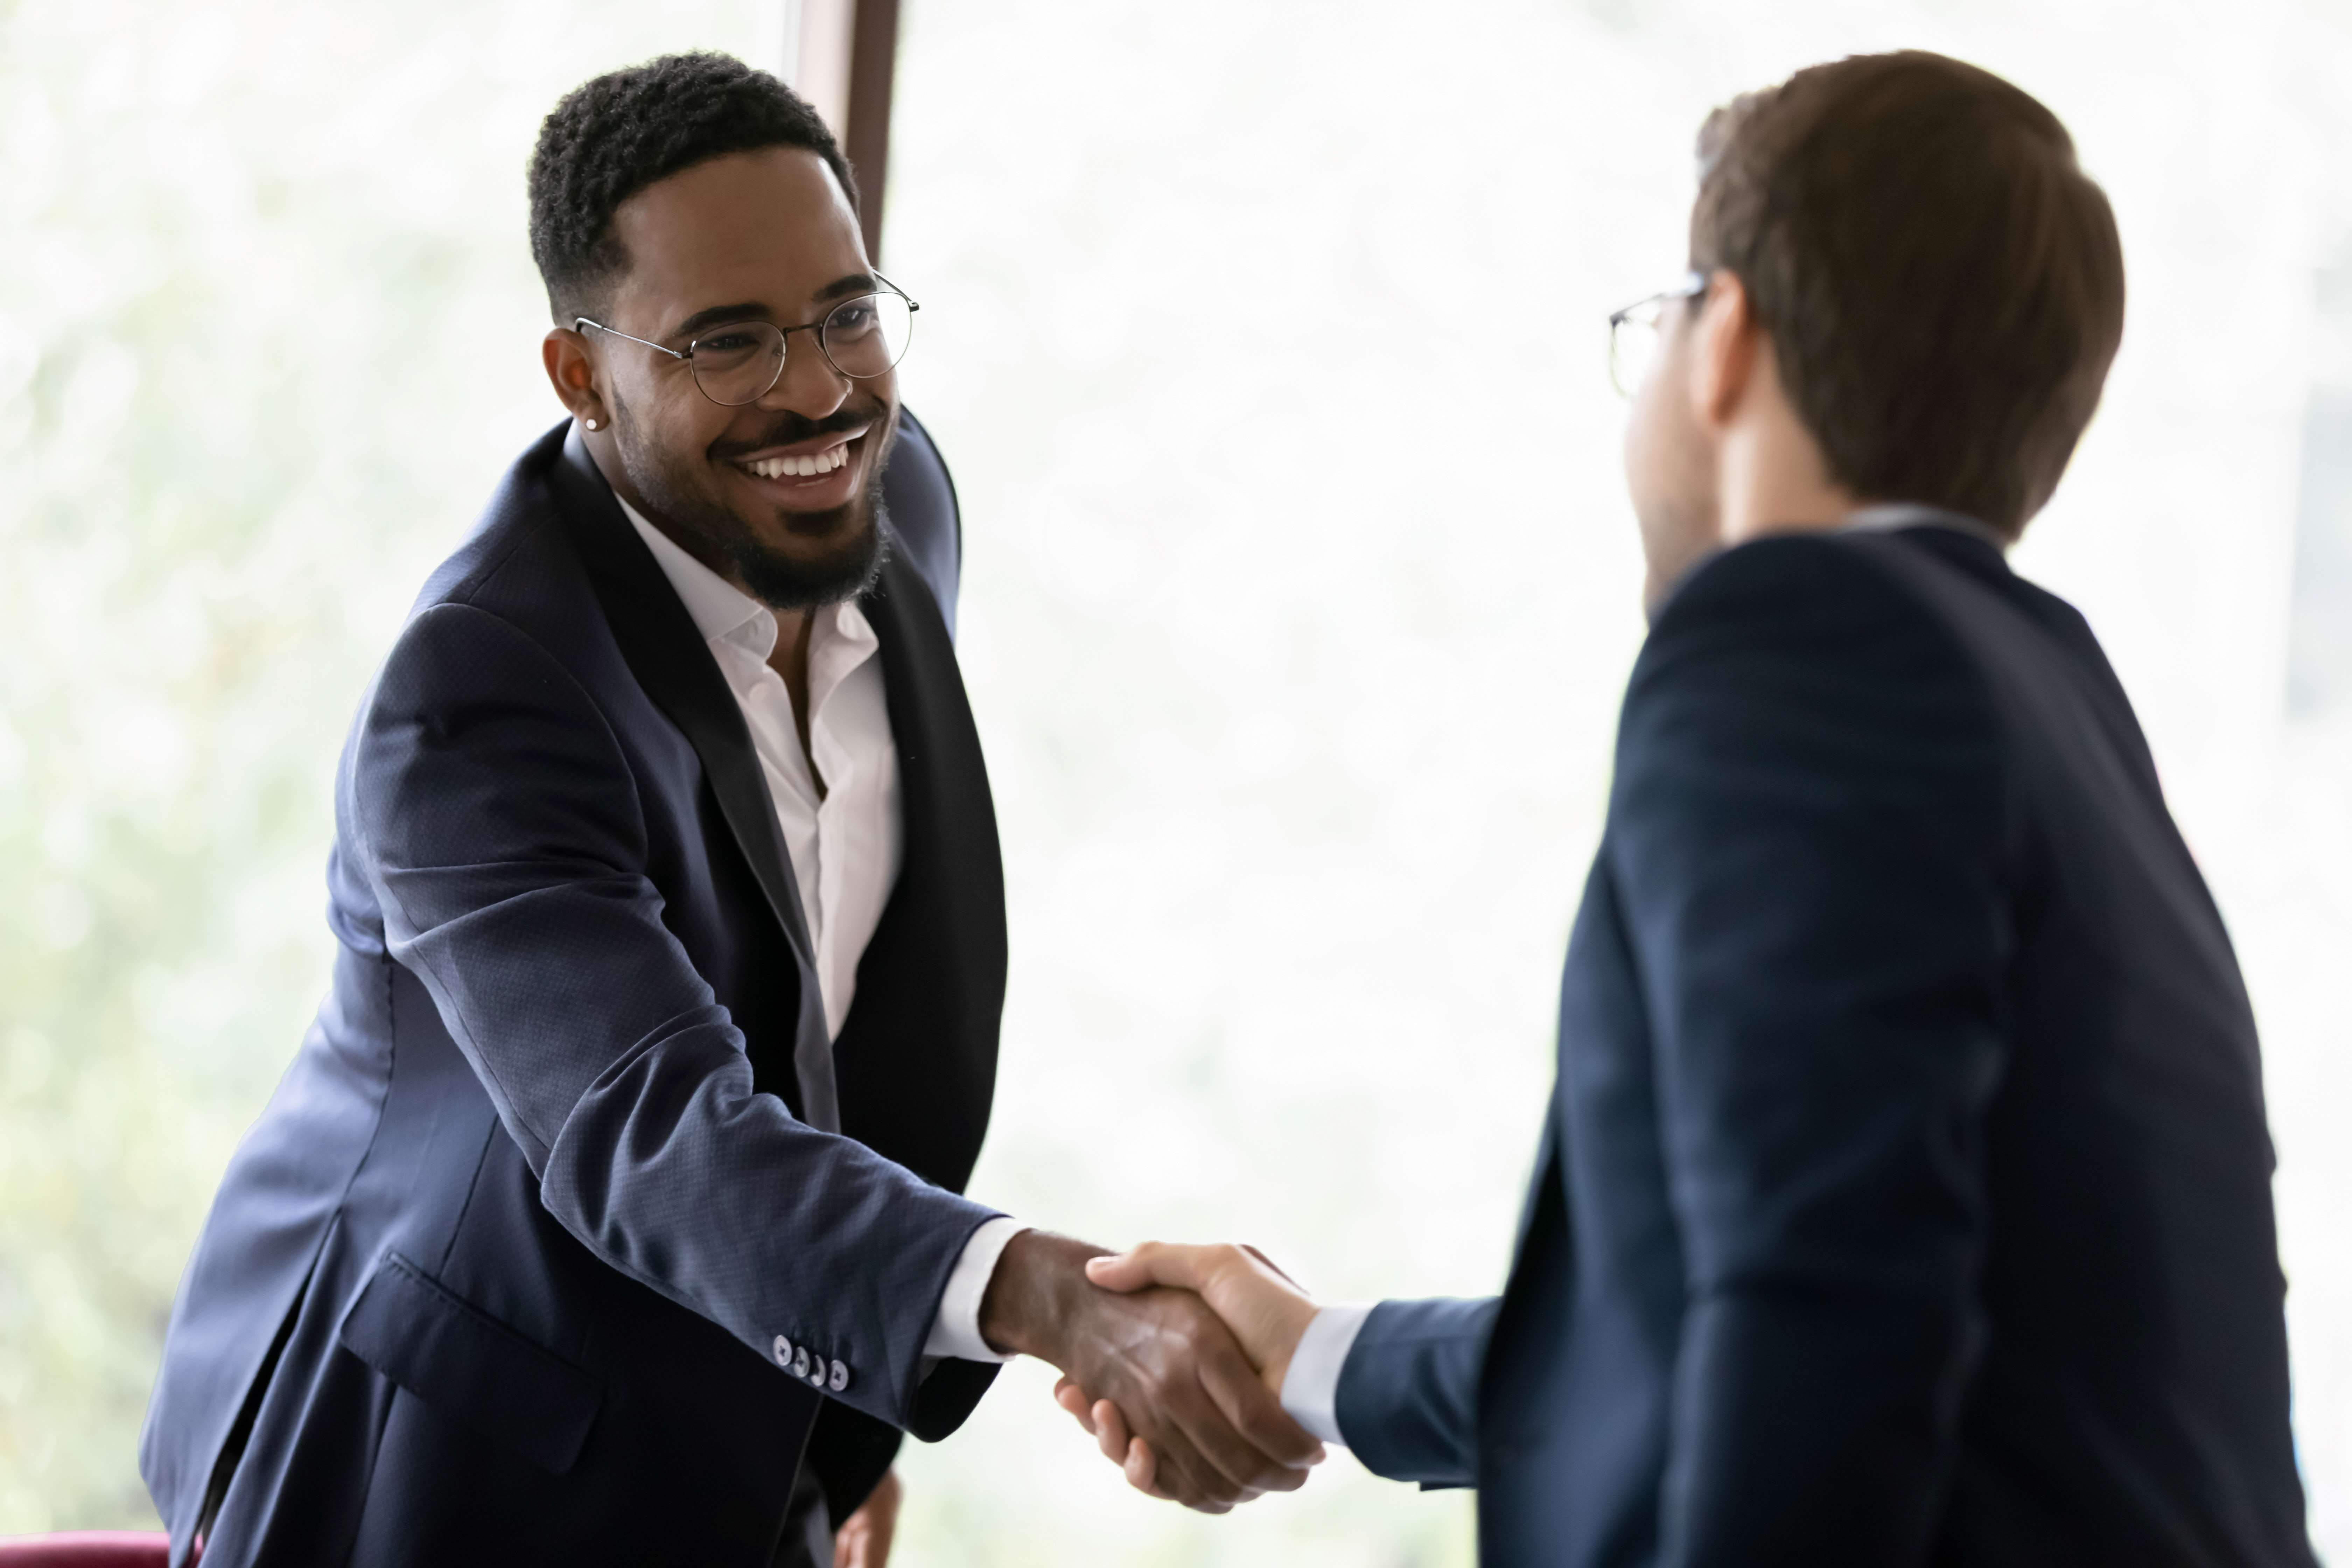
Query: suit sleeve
x=1408, y=1396
x=1805, y=835
x=508, y=849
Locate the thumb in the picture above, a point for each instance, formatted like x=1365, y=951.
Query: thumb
x=1153, y=1263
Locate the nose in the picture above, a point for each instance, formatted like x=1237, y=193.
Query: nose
x=809, y=386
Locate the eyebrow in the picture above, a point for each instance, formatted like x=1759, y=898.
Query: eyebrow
x=753, y=311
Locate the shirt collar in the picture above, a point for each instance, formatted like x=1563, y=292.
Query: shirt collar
x=722, y=611
x=1893, y=515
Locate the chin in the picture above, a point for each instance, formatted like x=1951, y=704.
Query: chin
x=828, y=556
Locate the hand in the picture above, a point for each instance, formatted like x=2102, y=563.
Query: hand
x=1267, y=1311
x=1265, y=1308
x=863, y=1539
x=1215, y=1434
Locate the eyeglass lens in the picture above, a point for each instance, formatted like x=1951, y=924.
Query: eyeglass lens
x=861, y=338
x=1633, y=345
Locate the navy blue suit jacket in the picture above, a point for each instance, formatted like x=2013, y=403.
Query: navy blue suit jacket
x=1905, y=1193
x=531, y=1257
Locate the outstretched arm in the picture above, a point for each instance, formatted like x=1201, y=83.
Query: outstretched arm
x=500, y=826
x=507, y=846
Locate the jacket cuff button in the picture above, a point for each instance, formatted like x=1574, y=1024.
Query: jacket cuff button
x=840, y=1379
x=784, y=1348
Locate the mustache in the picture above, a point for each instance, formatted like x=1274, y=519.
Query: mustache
x=787, y=428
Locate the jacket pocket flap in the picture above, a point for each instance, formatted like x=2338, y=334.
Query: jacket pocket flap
x=471, y=1367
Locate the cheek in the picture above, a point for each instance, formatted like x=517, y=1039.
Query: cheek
x=1660, y=438
x=674, y=432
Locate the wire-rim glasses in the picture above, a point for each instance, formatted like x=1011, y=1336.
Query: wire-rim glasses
x=1633, y=332
x=863, y=337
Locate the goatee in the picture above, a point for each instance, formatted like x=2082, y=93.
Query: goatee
x=779, y=580
x=782, y=583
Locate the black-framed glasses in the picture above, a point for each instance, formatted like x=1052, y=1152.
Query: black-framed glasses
x=1633, y=332
x=864, y=336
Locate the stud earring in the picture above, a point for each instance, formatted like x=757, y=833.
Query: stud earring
x=591, y=425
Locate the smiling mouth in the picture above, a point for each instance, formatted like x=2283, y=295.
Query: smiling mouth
x=804, y=465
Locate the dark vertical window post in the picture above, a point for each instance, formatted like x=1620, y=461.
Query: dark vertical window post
x=873, y=71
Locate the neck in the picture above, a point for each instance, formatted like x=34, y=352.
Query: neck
x=1775, y=480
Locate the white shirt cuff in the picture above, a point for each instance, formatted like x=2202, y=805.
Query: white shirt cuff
x=956, y=1331
x=1310, y=1386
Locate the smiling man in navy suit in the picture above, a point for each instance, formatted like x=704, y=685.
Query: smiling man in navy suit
x=610, y=1213
x=1905, y=1194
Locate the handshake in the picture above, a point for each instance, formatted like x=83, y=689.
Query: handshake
x=1172, y=1358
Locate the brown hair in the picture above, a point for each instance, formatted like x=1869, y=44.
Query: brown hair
x=1942, y=283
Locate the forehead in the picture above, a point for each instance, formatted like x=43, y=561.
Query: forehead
x=772, y=226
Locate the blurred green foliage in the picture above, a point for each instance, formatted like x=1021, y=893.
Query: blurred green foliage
x=266, y=325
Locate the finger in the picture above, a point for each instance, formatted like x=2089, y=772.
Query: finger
x=1141, y=1463
x=1202, y=1458
x=1142, y=1470
x=1147, y=1472
x=1276, y=1268
x=1181, y=1475
x=1153, y=1263
x=1256, y=1411
x=1110, y=1430
x=1227, y=1413
x=1225, y=1467
x=1072, y=1398
x=1180, y=1468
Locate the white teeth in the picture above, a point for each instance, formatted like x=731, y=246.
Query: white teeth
x=824, y=462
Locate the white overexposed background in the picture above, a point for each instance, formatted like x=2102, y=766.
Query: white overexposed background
x=1267, y=343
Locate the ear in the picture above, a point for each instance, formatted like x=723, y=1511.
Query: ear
x=1723, y=362
x=572, y=371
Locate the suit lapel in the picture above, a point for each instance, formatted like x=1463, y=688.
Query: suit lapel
x=667, y=654
x=916, y=1057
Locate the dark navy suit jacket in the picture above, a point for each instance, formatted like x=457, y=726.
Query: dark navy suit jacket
x=1905, y=1194
x=531, y=1257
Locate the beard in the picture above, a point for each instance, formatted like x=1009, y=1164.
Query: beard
x=851, y=562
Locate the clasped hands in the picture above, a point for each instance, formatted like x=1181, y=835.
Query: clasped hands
x=1173, y=1357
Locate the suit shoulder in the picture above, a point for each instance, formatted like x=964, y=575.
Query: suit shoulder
x=1807, y=652
x=1803, y=598
x=926, y=521
x=1790, y=578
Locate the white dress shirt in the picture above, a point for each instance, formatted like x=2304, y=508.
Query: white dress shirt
x=846, y=841
x=1310, y=1387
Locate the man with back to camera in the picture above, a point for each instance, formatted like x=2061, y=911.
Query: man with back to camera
x=609, y=1212
x=1905, y=1194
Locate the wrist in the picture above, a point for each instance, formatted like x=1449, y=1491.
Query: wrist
x=1038, y=1290
x=1293, y=1317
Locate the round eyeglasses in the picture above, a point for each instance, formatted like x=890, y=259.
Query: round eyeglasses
x=1633, y=333
x=864, y=336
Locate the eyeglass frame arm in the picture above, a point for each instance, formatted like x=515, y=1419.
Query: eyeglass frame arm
x=1693, y=284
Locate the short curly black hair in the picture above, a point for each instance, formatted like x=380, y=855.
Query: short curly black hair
x=612, y=137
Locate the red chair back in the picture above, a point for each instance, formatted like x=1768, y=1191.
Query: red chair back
x=87, y=1549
